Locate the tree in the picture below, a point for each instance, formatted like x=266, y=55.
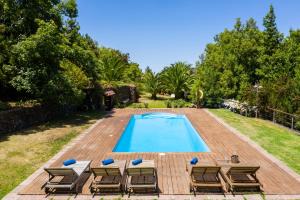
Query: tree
x=35, y=60
x=152, y=82
x=176, y=78
x=44, y=56
x=272, y=37
x=228, y=69
x=133, y=74
x=113, y=65
x=244, y=56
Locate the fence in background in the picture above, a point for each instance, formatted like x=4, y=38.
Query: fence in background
x=277, y=116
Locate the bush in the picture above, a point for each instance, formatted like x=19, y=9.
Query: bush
x=168, y=103
x=4, y=106
x=297, y=125
x=179, y=103
x=146, y=105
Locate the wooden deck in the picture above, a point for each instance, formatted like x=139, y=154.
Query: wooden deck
x=172, y=175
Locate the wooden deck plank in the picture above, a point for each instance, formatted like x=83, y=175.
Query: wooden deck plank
x=172, y=176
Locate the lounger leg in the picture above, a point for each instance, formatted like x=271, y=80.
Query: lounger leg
x=129, y=192
x=122, y=192
x=232, y=191
x=194, y=190
x=76, y=188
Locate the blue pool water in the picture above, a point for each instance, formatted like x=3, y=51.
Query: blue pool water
x=160, y=132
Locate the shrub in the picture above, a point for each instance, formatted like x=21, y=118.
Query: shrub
x=297, y=125
x=4, y=105
x=168, y=103
x=146, y=105
x=179, y=103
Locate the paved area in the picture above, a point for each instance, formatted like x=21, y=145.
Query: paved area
x=173, y=179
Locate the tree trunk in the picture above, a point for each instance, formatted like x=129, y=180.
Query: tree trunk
x=153, y=96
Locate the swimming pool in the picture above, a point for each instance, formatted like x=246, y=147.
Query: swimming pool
x=160, y=132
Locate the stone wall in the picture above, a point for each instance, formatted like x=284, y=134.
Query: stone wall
x=20, y=118
x=124, y=93
x=127, y=93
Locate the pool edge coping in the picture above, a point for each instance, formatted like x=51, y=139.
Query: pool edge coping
x=252, y=143
x=182, y=116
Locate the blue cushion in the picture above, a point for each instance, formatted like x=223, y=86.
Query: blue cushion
x=69, y=162
x=194, y=161
x=108, y=161
x=137, y=161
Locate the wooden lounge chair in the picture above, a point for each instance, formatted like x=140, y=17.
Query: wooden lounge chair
x=142, y=177
x=241, y=177
x=108, y=178
x=66, y=177
x=205, y=176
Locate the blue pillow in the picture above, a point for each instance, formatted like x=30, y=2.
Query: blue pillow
x=194, y=161
x=137, y=161
x=69, y=162
x=108, y=161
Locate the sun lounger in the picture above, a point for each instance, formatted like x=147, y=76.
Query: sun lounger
x=108, y=178
x=141, y=177
x=241, y=177
x=205, y=176
x=66, y=177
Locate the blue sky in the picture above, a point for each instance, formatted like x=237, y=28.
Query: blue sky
x=157, y=33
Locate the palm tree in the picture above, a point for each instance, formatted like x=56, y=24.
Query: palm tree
x=112, y=69
x=152, y=82
x=177, y=78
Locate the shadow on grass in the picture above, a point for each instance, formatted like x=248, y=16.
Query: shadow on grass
x=72, y=120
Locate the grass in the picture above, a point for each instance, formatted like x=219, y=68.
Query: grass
x=145, y=99
x=23, y=152
x=279, y=141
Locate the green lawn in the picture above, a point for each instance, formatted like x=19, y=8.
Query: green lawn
x=145, y=99
x=280, y=142
x=161, y=102
x=23, y=152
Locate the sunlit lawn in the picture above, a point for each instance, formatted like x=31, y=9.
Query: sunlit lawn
x=280, y=142
x=145, y=99
x=23, y=152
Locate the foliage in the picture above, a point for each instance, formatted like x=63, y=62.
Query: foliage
x=133, y=74
x=152, y=82
x=244, y=57
x=4, y=106
x=177, y=103
x=176, y=79
x=297, y=125
x=196, y=92
x=35, y=60
x=43, y=55
x=115, y=67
